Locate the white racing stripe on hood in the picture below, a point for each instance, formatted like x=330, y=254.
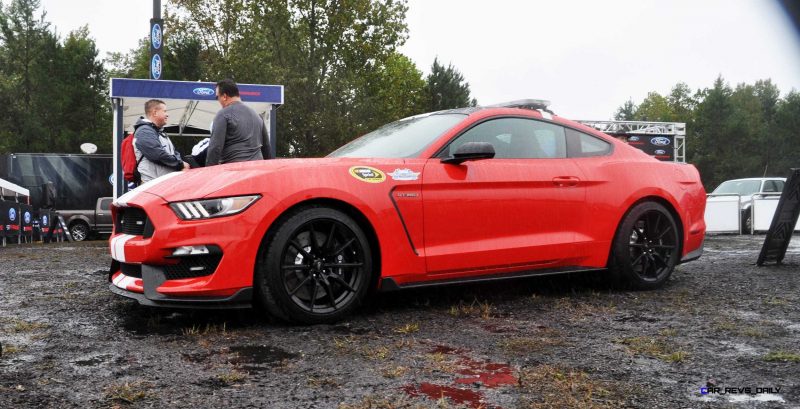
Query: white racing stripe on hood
x=123, y=200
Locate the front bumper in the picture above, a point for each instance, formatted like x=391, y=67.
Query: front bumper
x=144, y=268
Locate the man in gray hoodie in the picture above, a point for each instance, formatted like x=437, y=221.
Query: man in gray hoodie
x=155, y=154
x=238, y=134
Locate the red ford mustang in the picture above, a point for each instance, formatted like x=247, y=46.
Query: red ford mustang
x=449, y=197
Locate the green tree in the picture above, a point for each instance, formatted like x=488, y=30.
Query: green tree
x=654, y=108
x=447, y=88
x=53, y=92
x=626, y=112
x=328, y=54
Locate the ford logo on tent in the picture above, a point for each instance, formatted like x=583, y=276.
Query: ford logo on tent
x=660, y=141
x=12, y=214
x=660, y=152
x=203, y=91
x=633, y=139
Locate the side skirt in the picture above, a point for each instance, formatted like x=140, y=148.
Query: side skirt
x=389, y=284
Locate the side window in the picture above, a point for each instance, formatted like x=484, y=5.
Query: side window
x=516, y=138
x=773, y=186
x=583, y=145
x=105, y=204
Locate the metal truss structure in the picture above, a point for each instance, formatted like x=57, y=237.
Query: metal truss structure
x=675, y=129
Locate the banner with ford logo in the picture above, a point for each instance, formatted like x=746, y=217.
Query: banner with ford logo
x=156, y=41
x=10, y=219
x=658, y=146
x=202, y=91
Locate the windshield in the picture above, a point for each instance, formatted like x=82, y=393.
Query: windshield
x=405, y=138
x=738, y=187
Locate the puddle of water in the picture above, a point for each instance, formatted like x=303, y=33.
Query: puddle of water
x=92, y=361
x=259, y=357
x=435, y=392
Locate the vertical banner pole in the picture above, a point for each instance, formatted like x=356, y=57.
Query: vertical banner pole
x=156, y=42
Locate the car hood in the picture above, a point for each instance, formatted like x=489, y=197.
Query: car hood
x=249, y=176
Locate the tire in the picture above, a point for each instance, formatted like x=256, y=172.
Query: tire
x=646, y=247
x=311, y=281
x=747, y=222
x=79, y=231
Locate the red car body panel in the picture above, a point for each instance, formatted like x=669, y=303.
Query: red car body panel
x=480, y=218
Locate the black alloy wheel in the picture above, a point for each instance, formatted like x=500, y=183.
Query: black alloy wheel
x=318, y=267
x=647, y=247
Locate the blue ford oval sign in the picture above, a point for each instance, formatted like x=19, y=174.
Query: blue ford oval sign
x=27, y=217
x=155, y=67
x=660, y=141
x=203, y=91
x=44, y=221
x=155, y=36
x=633, y=139
x=12, y=214
x=660, y=152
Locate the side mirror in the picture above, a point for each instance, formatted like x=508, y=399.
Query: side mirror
x=471, y=151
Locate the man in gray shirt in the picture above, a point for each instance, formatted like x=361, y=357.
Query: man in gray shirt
x=238, y=133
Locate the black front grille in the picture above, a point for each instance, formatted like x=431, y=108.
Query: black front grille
x=192, y=266
x=132, y=220
x=131, y=270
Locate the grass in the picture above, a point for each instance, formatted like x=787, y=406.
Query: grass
x=442, y=363
x=524, y=345
x=232, y=377
x=655, y=347
x=378, y=354
x=9, y=349
x=25, y=326
x=776, y=301
x=409, y=328
x=476, y=308
x=128, y=392
x=393, y=372
x=322, y=382
x=381, y=402
x=782, y=356
x=551, y=386
x=209, y=329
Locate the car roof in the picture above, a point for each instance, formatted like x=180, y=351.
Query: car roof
x=761, y=179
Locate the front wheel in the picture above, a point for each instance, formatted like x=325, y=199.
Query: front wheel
x=79, y=231
x=316, y=268
x=646, y=247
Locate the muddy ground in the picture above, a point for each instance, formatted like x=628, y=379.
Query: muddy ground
x=720, y=322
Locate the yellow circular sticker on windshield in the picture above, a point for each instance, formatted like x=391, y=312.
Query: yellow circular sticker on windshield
x=367, y=174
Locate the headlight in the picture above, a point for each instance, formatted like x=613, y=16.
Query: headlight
x=206, y=209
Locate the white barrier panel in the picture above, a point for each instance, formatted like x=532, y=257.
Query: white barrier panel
x=722, y=214
x=763, y=212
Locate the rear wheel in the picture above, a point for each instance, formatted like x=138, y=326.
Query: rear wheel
x=79, y=231
x=646, y=247
x=316, y=268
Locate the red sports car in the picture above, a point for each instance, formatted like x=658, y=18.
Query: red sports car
x=448, y=197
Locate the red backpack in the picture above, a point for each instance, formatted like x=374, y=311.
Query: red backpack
x=129, y=163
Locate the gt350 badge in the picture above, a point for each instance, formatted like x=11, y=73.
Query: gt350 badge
x=367, y=174
x=404, y=174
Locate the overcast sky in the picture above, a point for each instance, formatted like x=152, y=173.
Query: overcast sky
x=586, y=56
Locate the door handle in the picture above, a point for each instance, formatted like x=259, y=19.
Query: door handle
x=566, y=181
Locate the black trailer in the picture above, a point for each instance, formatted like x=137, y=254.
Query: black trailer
x=77, y=179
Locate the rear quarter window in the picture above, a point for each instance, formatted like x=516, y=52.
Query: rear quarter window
x=581, y=145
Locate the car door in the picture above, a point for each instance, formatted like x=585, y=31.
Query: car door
x=516, y=211
x=103, y=215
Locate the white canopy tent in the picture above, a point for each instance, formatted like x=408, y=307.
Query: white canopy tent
x=191, y=107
